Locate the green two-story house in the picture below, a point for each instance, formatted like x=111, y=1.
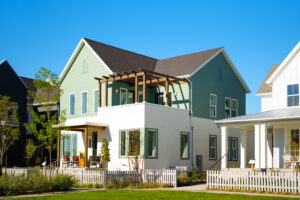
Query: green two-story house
x=171, y=103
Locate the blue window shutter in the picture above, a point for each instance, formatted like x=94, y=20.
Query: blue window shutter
x=72, y=104
x=84, y=103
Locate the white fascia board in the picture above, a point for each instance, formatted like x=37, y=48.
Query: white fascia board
x=283, y=64
x=263, y=94
x=81, y=43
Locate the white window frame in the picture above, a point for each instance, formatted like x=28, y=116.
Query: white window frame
x=188, y=145
x=237, y=107
x=216, y=102
x=87, y=98
x=70, y=104
x=95, y=100
x=292, y=95
x=156, y=146
x=230, y=107
x=215, y=147
x=126, y=96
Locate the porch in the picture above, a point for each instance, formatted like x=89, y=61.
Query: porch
x=77, y=144
x=276, y=138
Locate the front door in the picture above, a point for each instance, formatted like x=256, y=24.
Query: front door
x=94, y=143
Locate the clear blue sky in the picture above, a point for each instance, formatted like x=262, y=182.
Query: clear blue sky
x=256, y=34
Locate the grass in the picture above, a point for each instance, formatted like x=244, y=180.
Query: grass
x=140, y=194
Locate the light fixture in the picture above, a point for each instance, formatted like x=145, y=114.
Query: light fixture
x=175, y=94
x=116, y=91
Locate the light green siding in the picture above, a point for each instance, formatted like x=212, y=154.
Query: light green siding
x=80, y=78
x=217, y=78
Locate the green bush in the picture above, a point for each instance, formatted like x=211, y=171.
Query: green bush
x=90, y=185
x=33, y=183
x=97, y=185
x=123, y=184
x=110, y=185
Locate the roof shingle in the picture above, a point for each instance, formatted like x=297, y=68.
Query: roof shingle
x=265, y=88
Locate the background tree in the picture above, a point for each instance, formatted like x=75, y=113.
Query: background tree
x=104, y=153
x=9, y=126
x=47, y=96
x=29, y=151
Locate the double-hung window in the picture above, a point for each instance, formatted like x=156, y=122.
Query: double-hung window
x=293, y=95
x=212, y=147
x=234, y=107
x=184, y=145
x=84, y=103
x=72, y=104
x=227, y=107
x=123, y=143
x=213, y=105
x=96, y=100
x=232, y=148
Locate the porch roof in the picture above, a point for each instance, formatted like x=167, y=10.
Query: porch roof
x=272, y=115
x=74, y=123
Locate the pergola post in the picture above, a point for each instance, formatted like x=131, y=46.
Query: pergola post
x=144, y=88
x=136, y=89
x=99, y=94
x=167, y=92
x=86, y=162
x=106, y=92
x=58, y=149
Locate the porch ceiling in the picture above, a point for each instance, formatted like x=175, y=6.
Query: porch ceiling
x=285, y=114
x=81, y=125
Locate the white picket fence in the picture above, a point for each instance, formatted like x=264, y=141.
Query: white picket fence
x=287, y=182
x=159, y=176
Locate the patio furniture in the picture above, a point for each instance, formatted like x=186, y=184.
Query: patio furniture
x=66, y=161
x=95, y=161
x=288, y=161
x=75, y=161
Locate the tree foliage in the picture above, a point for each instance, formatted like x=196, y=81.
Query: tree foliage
x=46, y=96
x=105, y=151
x=9, y=125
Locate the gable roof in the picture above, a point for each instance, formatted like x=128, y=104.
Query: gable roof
x=6, y=63
x=284, y=63
x=118, y=60
x=266, y=88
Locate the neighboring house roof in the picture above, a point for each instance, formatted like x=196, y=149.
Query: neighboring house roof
x=31, y=87
x=272, y=115
x=6, y=63
x=291, y=55
x=265, y=88
x=118, y=60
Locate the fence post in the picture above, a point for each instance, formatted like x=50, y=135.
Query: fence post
x=105, y=178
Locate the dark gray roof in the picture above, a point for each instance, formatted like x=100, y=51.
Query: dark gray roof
x=272, y=115
x=120, y=60
x=265, y=88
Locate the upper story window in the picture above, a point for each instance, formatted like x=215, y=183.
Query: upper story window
x=227, y=107
x=96, y=100
x=72, y=104
x=234, y=107
x=293, y=95
x=213, y=105
x=84, y=103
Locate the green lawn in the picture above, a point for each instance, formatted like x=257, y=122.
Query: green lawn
x=140, y=195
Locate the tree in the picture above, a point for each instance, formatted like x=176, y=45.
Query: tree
x=29, y=151
x=104, y=153
x=47, y=95
x=293, y=148
x=9, y=125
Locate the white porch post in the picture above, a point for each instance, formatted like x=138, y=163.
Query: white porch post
x=257, y=145
x=269, y=148
x=224, y=146
x=263, y=147
x=243, y=148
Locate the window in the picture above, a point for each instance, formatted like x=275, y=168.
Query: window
x=72, y=104
x=184, y=145
x=232, y=148
x=212, y=147
x=213, y=105
x=134, y=142
x=84, y=103
x=159, y=98
x=11, y=112
x=96, y=100
x=294, y=145
x=123, y=143
x=227, y=107
x=140, y=97
x=123, y=96
x=84, y=66
x=131, y=96
x=69, y=145
x=234, y=108
x=152, y=143
x=293, y=95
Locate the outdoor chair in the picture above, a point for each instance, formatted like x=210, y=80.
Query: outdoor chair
x=75, y=162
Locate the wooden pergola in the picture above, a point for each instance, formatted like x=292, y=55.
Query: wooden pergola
x=143, y=78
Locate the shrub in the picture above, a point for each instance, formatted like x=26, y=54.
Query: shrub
x=110, y=185
x=123, y=184
x=90, y=185
x=195, y=176
x=97, y=185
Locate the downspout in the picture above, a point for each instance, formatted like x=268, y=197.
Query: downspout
x=191, y=124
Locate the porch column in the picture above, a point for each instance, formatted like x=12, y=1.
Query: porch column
x=99, y=94
x=86, y=133
x=257, y=145
x=58, y=149
x=167, y=92
x=224, y=146
x=269, y=148
x=144, y=87
x=106, y=92
x=136, y=89
x=263, y=147
x=243, y=147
